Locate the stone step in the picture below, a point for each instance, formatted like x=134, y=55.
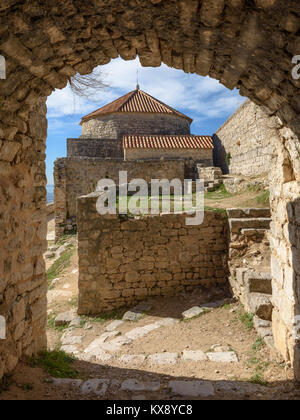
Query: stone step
x=260, y=305
x=240, y=275
x=263, y=328
x=254, y=232
x=236, y=224
x=247, y=213
x=258, y=282
x=195, y=388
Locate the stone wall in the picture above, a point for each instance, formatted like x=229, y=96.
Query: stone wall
x=23, y=228
x=104, y=148
x=249, y=138
x=200, y=155
x=285, y=245
x=50, y=209
x=115, y=126
x=123, y=261
x=74, y=177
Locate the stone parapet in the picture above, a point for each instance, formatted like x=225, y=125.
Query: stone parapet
x=122, y=261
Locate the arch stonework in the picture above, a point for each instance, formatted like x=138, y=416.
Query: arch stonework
x=248, y=45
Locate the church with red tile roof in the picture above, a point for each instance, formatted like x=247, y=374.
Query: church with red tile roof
x=139, y=126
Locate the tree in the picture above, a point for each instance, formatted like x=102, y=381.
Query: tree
x=88, y=86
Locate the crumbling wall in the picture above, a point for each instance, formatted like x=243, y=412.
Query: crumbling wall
x=122, y=261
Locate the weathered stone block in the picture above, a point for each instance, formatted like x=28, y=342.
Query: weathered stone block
x=261, y=305
x=259, y=223
x=132, y=276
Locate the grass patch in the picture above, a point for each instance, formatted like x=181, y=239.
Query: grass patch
x=116, y=314
x=57, y=364
x=146, y=204
x=216, y=210
x=259, y=344
x=82, y=323
x=25, y=387
x=264, y=198
x=258, y=365
x=65, y=238
x=259, y=369
x=74, y=302
x=228, y=159
x=60, y=264
x=258, y=379
x=219, y=194
x=246, y=319
x=51, y=324
x=205, y=311
x=255, y=187
x=145, y=201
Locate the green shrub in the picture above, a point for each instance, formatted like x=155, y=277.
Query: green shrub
x=264, y=198
x=228, y=159
x=60, y=264
x=56, y=363
x=247, y=320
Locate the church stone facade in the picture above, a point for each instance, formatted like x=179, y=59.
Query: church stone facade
x=104, y=132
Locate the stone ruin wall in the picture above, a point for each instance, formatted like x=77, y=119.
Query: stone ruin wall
x=74, y=177
x=115, y=126
x=249, y=137
x=204, y=156
x=104, y=148
x=123, y=261
x=285, y=247
x=23, y=218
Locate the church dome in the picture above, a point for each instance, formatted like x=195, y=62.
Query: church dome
x=137, y=112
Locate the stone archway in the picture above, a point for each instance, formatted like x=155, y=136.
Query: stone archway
x=248, y=45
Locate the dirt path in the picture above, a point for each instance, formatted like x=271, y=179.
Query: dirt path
x=226, y=201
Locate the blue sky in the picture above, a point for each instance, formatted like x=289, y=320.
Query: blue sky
x=204, y=99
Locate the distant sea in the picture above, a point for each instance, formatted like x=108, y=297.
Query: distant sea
x=50, y=193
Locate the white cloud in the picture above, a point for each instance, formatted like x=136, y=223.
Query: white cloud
x=202, y=98
x=56, y=124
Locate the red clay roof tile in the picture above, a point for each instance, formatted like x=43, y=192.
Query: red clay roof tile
x=136, y=101
x=168, y=142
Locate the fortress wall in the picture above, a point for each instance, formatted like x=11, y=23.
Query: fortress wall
x=249, y=138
